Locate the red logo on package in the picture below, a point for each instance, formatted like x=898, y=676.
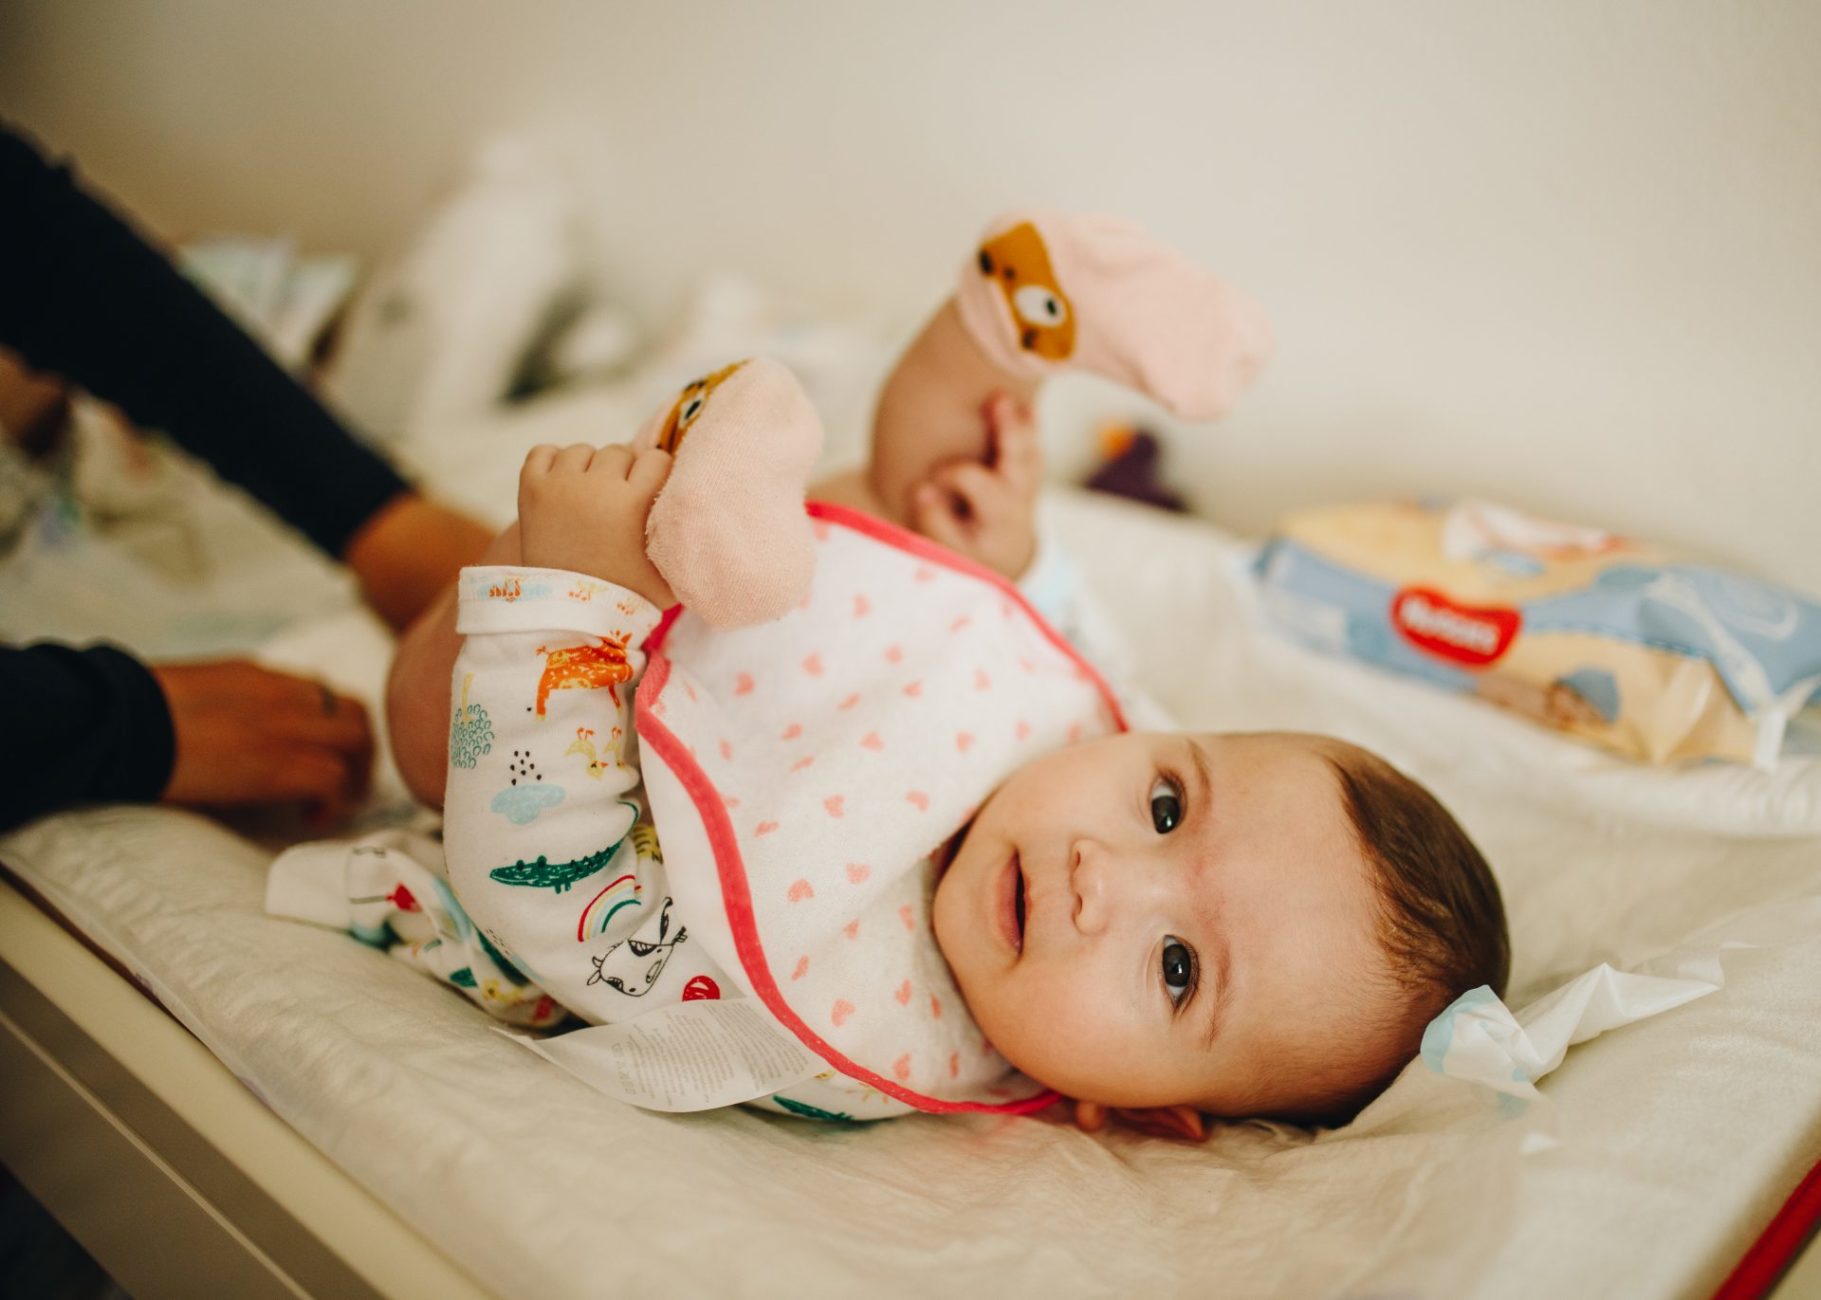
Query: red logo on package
x=1462, y=633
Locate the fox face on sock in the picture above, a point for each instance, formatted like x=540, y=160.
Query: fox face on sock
x=1019, y=264
x=1135, y=311
x=689, y=406
x=727, y=531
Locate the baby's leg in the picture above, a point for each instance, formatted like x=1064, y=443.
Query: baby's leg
x=390, y=890
x=727, y=532
x=1043, y=293
x=417, y=689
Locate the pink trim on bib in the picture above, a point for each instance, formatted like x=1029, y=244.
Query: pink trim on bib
x=729, y=864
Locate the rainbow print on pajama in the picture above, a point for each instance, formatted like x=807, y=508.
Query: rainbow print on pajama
x=599, y=914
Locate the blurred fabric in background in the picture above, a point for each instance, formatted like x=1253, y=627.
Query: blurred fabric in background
x=1558, y=254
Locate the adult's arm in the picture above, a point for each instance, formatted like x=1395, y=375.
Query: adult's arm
x=97, y=726
x=83, y=295
x=82, y=725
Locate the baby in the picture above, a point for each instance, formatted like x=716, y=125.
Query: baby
x=905, y=783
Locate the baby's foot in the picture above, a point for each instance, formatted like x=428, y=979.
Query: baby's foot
x=1046, y=291
x=728, y=532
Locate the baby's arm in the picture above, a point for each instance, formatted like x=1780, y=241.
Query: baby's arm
x=542, y=777
x=417, y=689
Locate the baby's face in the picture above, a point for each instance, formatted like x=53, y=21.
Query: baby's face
x=1164, y=919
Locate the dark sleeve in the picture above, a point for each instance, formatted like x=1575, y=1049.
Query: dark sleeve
x=83, y=726
x=82, y=295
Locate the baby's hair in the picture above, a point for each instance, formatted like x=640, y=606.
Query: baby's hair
x=1441, y=921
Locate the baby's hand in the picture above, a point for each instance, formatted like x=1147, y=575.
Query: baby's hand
x=987, y=510
x=584, y=510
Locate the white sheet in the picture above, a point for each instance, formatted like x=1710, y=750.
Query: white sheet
x=1678, y=1136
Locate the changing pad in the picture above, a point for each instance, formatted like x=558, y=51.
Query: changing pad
x=1675, y=1137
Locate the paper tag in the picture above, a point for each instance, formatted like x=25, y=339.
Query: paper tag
x=691, y=1056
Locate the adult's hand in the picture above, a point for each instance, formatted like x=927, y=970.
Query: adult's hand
x=248, y=736
x=409, y=551
x=33, y=406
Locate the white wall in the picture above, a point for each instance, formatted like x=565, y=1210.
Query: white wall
x=1567, y=253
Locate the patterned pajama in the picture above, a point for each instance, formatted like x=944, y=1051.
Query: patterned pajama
x=553, y=897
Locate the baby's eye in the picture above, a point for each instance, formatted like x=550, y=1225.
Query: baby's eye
x=1178, y=968
x=1166, y=804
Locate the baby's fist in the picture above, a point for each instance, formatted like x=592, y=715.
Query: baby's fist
x=584, y=509
x=987, y=509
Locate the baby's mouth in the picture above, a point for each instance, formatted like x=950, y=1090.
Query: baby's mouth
x=1018, y=899
x=1011, y=905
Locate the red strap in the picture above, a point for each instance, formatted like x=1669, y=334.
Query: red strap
x=1777, y=1246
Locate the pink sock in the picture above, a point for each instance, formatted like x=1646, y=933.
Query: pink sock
x=728, y=531
x=1046, y=291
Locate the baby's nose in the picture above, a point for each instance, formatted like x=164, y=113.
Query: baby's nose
x=1090, y=876
x=1107, y=883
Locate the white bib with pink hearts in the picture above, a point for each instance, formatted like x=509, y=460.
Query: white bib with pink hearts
x=803, y=773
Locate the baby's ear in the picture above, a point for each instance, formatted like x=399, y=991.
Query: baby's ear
x=1183, y=1122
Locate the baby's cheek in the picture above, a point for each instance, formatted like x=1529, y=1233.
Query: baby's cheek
x=1039, y=1026
x=1003, y=1019
x=942, y=925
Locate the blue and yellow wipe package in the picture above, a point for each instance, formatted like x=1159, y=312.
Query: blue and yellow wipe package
x=1600, y=636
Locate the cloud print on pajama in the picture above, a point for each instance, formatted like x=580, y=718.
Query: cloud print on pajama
x=521, y=804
